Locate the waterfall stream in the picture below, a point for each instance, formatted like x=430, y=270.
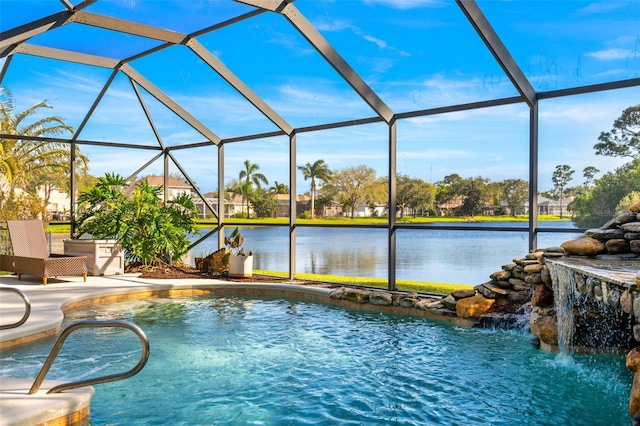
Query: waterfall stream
x=565, y=296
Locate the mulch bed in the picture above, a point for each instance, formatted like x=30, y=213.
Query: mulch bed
x=185, y=271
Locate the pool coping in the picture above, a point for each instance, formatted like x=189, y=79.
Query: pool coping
x=48, y=304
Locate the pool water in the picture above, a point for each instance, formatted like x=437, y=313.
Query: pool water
x=239, y=361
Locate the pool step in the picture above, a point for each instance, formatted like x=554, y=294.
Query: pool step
x=18, y=408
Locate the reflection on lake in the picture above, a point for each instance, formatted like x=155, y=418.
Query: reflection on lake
x=466, y=257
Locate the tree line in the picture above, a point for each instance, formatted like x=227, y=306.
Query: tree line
x=29, y=167
x=592, y=202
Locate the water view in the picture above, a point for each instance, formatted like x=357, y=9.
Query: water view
x=231, y=360
x=464, y=257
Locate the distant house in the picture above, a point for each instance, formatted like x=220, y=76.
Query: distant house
x=332, y=210
x=452, y=207
x=553, y=207
x=303, y=202
x=364, y=210
x=231, y=207
x=59, y=205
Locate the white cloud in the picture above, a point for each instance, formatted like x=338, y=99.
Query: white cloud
x=610, y=54
x=344, y=25
x=598, y=8
x=404, y=4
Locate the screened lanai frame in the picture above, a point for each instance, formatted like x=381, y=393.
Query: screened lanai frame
x=16, y=42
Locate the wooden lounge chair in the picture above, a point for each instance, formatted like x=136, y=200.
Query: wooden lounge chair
x=31, y=254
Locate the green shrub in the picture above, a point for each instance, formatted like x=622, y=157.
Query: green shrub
x=149, y=231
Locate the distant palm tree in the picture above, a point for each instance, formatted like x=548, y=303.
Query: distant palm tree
x=316, y=171
x=279, y=188
x=251, y=177
x=242, y=188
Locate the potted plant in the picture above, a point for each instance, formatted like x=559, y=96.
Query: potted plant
x=240, y=263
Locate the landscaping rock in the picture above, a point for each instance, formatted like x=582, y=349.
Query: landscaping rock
x=542, y=297
x=449, y=302
x=544, y=327
x=380, y=298
x=500, y=275
x=474, y=307
x=585, y=246
x=463, y=293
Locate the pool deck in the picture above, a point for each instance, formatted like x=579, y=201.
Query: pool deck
x=47, y=306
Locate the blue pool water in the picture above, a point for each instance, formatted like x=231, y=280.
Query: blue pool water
x=240, y=361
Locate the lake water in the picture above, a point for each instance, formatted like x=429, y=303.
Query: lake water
x=439, y=255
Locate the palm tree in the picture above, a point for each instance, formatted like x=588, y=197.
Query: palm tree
x=316, y=171
x=279, y=188
x=24, y=162
x=251, y=176
x=244, y=189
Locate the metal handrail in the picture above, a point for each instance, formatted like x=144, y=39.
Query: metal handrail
x=27, y=308
x=88, y=382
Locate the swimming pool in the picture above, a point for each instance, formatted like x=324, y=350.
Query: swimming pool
x=237, y=360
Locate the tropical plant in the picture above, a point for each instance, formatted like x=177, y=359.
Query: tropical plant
x=149, y=230
x=233, y=243
x=316, y=171
x=279, y=188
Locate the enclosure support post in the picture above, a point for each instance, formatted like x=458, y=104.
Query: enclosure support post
x=72, y=187
x=165, y=180
x=220, y=196
x=391, y=255
x=293, y=207
x=533, y=177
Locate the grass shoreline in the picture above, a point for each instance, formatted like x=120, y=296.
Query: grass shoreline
x=61, y=227
x=382, y=283
x=382, y=220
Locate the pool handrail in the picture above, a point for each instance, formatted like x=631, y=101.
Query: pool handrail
x=27, y=308
x=144, y=357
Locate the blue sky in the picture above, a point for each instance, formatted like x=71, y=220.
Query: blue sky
x=414, y=54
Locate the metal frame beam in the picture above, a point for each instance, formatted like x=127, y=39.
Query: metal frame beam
x=322, y=46
x=239, y=85
x=24, y=32
x=128, y=27
x=498, y=49
x=170, y=103
x=66, y=55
